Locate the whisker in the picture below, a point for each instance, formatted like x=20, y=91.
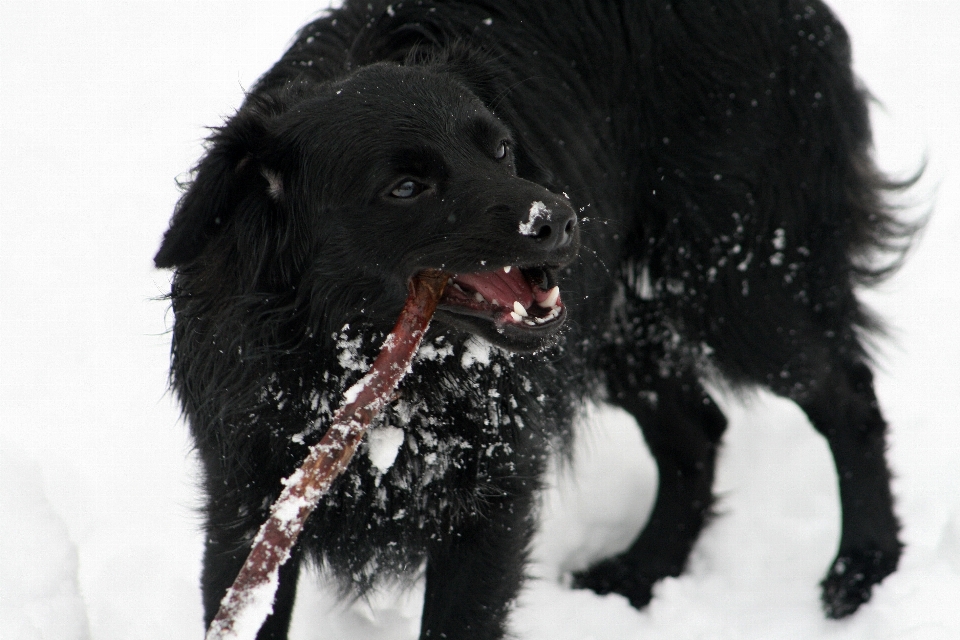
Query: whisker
x=580, y=258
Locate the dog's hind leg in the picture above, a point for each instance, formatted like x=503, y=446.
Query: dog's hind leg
x=818, y=362
x=843, y=407
x=682, y=427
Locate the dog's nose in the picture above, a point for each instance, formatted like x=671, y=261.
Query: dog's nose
x=551, y=225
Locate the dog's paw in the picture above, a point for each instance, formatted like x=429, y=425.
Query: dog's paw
x=616, y=576
x=850, y=580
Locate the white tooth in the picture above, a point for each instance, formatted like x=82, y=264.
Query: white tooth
x=495, y=303
x=519, y=310
x=458, y=288
x=554, y=313
x=507, y=269
x=551, y=300
x=516, y=316
x=478, y=297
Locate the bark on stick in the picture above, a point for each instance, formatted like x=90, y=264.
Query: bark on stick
x=250, y=600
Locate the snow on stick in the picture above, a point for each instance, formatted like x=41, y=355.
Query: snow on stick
x=250, y=600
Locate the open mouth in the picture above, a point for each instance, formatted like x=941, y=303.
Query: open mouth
x=514, y=299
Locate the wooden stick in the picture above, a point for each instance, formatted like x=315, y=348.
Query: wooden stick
x=250, y=600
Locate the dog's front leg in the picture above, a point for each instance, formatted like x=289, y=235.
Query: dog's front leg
x=682, y=427
x=475, y=572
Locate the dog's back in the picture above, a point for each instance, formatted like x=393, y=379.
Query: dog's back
x=716, y=158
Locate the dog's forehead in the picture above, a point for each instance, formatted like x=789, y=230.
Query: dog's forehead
x=361, y=131
x=420, y=100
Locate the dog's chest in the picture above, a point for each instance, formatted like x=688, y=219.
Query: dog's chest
x=463, y=420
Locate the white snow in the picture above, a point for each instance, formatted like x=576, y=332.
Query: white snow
x=99, y=534
x=351, y=394
x=537, y=210
x=383, y=443
x=476, y=350
x=438, y=350
x=37, y=599
x=254, y=605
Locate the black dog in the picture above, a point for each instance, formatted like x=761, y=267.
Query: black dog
x=717, y=157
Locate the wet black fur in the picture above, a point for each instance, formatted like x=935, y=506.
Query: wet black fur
x=718, y=157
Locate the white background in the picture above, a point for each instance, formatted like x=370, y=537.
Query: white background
x=103, y=104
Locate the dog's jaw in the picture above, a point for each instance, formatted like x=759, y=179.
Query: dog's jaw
x=516, y=308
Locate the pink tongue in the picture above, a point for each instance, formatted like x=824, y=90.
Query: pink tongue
x=498, y=285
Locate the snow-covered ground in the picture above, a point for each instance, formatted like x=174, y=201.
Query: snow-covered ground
x=102, y=104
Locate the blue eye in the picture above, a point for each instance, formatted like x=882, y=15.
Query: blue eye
x=407, y=189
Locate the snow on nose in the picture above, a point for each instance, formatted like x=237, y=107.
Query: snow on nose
x=538, y=211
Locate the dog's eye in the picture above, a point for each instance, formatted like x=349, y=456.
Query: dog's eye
x=501, y=151
x=408, y=189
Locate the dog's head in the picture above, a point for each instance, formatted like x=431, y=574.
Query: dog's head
x=346, y=190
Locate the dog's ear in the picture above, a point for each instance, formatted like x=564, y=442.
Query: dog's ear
x=229, y=173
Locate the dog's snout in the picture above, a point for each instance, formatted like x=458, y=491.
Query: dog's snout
x=552, y=226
